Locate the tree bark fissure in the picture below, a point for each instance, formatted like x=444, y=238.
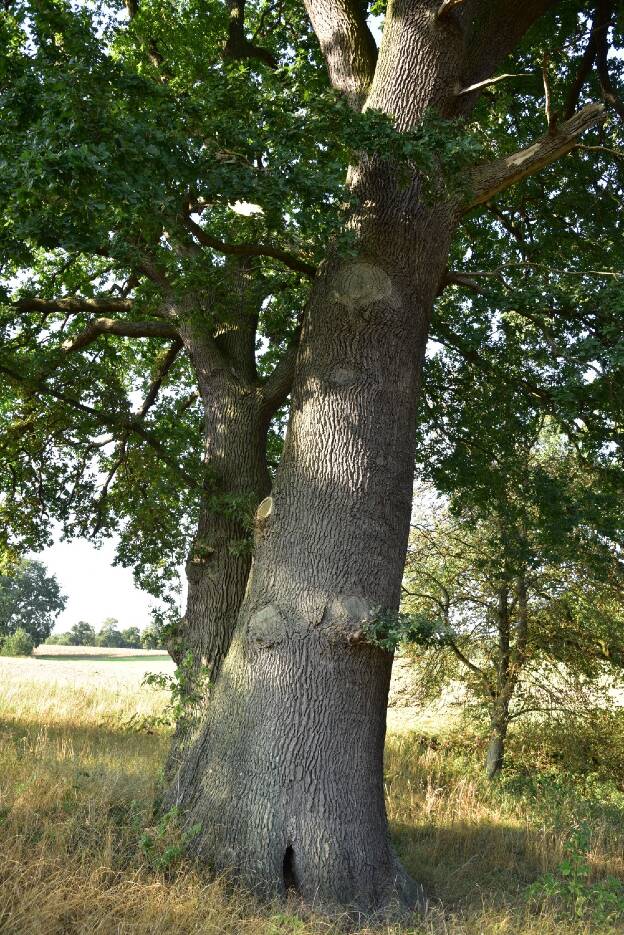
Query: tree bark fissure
x=291, y=751
x=285, y=775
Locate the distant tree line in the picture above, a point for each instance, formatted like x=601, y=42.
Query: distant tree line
x=30, y=602
x=109, y=635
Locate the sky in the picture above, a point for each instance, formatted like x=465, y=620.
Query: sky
x=94, y=587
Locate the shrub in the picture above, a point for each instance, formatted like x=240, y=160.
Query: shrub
x=591, y=741
x=19, y=643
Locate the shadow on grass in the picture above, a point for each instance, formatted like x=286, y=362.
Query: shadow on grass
x=471, y=864
x=100, y=737
x=99, y=657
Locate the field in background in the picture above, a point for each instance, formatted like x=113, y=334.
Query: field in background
x=81, y=853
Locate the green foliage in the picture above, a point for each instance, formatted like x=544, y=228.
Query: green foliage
x=391, y=629
x=571, y=885
x=82, y=634
x=150, y=638
x=523, y=568
x=163, y=846
x=30, y=600
x=131, y=637
x=18, y=643
x=588, y=742
x=109, y=634
x=188, y=689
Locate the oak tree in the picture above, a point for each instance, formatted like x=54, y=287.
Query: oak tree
x=131, y=148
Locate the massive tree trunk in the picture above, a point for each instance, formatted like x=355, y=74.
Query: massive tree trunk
x=285, y=775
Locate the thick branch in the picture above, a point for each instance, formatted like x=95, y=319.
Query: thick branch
x=451, y=278
x=604, y=15
x=278, y=384
x=493, y=177
x=582, y=74
x=126, y=329
x=495, y=30
x=237, y=45
x=246, y=249
x=165, y=365
x=347, y=44
x=73, y=305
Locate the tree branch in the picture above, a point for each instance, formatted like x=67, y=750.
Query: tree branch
x=604, y=16
x=446, y=6
x=73, y=305
x=132, y=424
x=347, y=45
x=278, y=384
x=246, y=249
x=122, y=449
x=489, y=81
x=237, y=45
x=132, y=6
x=551, y=116
x=166, y=363
x=494, y=177
x=126, y=329
x=469, y=665
x=582, y=74
x=494, y=31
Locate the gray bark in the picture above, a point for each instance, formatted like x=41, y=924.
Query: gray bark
x=288, y=766
x=285, y=775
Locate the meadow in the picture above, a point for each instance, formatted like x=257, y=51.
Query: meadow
x=541, y=850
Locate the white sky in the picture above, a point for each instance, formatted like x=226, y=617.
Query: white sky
x=94, y=588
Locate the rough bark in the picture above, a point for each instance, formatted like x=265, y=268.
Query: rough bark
x=288, y=767
x=285, y=776
x=237, y=412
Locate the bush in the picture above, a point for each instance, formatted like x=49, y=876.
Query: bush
x=590, y=742
x=19, y=643
x=58, y=639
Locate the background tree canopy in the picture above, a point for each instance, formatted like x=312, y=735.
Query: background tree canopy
x=30, y=599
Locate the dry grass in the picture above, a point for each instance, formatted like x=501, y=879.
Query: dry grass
x=76, y=793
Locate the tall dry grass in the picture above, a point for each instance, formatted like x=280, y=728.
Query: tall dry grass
x=77, y=786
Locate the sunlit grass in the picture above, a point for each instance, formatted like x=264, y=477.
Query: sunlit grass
x=77, y=786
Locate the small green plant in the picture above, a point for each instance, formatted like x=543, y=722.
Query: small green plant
x=286, y=924
x=163, y=845
x=187, y=686
x=17, y=644
x=572, y=887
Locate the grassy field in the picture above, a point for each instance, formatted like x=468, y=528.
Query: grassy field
x=541, y=851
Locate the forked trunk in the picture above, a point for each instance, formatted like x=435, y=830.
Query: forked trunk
x=218, y=564
x=286, y=776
